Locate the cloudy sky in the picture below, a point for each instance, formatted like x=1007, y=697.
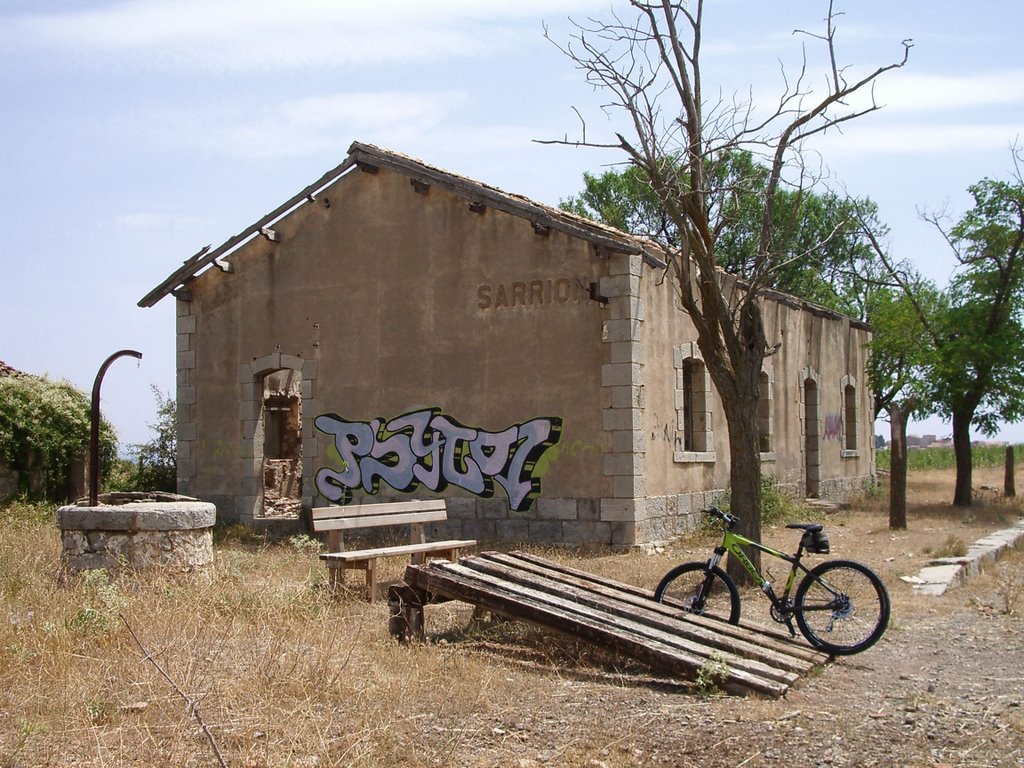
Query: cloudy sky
x=135, y=132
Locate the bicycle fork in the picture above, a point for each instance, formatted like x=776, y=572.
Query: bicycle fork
x=704, y=592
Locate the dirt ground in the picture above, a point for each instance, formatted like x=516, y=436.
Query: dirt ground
x=944, y=687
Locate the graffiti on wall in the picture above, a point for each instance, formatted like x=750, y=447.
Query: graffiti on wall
x=429, y=448
x=833, y=427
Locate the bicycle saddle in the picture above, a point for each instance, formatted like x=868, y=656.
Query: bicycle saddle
x=811, y=527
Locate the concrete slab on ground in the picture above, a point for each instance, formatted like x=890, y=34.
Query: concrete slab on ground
x=946, y=572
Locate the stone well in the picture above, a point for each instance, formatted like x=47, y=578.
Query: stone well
x=138, y=531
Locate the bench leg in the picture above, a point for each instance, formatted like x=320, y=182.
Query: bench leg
x=371, y=581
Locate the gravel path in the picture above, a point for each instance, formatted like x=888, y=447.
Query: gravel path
x=944, y=687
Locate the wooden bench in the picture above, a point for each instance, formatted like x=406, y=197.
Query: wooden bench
x=336, y=520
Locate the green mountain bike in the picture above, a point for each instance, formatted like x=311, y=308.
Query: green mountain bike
x=840, y=606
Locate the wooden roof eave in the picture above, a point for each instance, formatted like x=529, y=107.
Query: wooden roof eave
x=369, y=156
x=206, y=257
x=502, y=201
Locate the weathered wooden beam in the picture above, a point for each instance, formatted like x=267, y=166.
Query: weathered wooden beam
x=657, y=649
x=766, y=635
x=645, y=611
x=672, y=632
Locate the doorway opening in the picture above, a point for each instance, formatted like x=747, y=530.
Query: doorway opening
x=281, y=421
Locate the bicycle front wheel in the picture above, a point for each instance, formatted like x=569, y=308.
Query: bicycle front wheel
x=841, y=607
x=689, y=586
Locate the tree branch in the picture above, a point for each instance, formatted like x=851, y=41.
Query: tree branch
x=193, y=706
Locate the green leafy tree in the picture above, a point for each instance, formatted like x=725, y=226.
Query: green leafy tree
x=625, y=200
x=974, y=331
x=978, y=377
x=153, y=465
x=897, y=371
x=44, y=431
x=649, y=66
x=823, y=253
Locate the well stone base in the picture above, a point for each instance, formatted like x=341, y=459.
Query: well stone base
x=175, y=536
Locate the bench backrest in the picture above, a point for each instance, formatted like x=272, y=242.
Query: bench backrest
x=334, y=520
x=371, y=515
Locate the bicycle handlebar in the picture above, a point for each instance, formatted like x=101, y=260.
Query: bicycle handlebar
x=729, y=520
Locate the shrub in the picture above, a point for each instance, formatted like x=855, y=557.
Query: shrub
x=44, y=428
x=776, y=505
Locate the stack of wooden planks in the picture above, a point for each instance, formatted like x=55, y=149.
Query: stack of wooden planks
x=619, y=617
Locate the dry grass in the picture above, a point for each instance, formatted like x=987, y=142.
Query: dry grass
x=285, y=675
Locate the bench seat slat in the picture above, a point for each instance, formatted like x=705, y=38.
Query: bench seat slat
x=368, y=521
x=358, y=510
x=403, y=549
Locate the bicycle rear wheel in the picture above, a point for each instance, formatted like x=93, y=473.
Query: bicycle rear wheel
x=689, y=586
x=841, y=607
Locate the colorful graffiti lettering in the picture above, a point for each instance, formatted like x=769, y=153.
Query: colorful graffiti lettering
x=432, y=449
x=833, y=427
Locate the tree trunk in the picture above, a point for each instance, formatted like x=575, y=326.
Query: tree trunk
x=962, y=451
x=1009, y=487
x=745, y=482
x=898, y=415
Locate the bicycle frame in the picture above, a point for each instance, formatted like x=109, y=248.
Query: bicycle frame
x=733, y=543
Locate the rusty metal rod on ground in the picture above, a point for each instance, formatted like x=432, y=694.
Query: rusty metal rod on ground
x=94, y=437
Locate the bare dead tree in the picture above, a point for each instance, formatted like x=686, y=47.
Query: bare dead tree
x=650, y=66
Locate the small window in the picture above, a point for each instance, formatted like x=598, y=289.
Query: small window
x=764, y=413
x=695, y=406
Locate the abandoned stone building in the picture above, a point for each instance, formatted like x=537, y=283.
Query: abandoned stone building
x=397, y=330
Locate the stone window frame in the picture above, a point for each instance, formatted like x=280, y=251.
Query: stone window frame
x=848, y=385
x=767, y=402
x=681, y=354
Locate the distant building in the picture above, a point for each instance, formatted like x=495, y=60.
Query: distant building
x=397, y=329
x=920, y=441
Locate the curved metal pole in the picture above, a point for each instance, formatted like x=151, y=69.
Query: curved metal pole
x=94, y=437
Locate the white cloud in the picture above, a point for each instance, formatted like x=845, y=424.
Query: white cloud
x=909, y=92
x=265, y=34
x=298, y=127
x=920, y=138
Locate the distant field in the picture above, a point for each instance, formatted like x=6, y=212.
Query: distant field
x=943, y=458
